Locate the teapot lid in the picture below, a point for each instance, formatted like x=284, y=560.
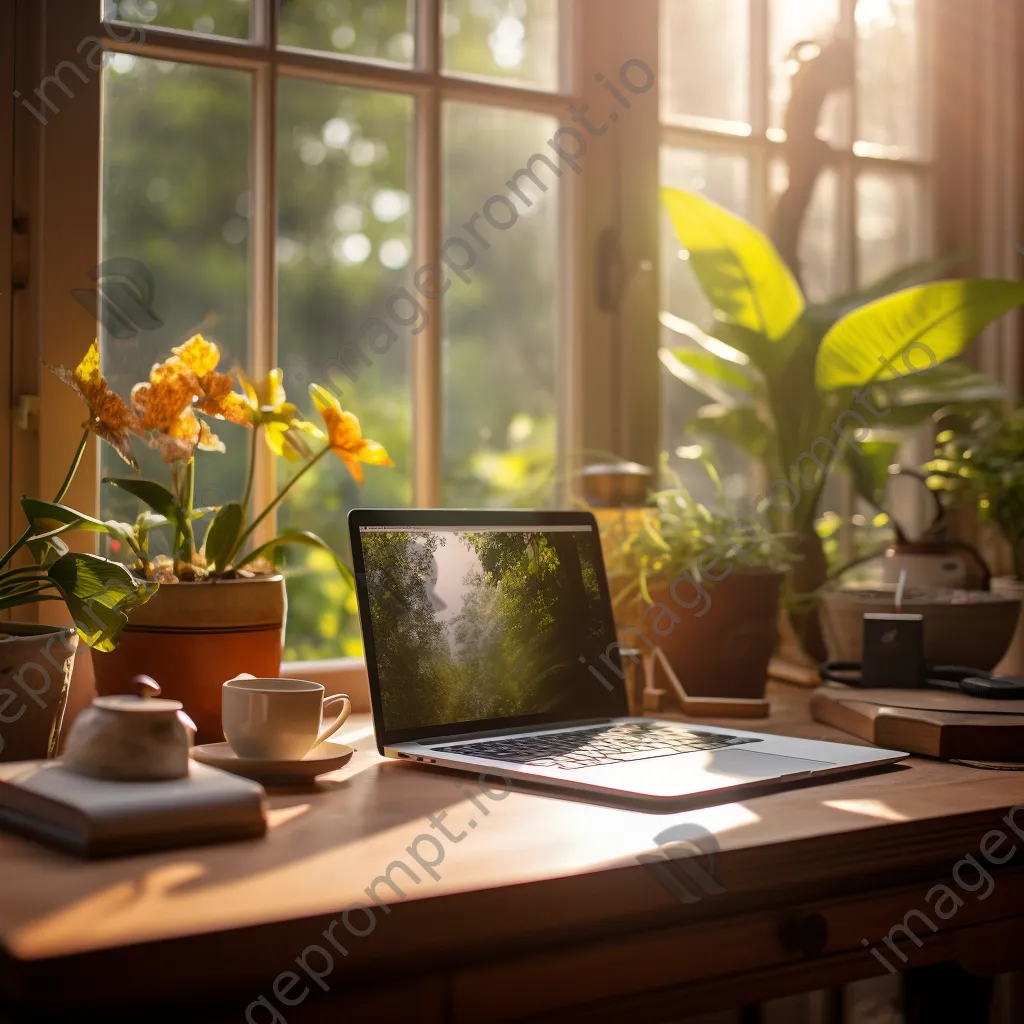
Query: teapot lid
x=137, y=705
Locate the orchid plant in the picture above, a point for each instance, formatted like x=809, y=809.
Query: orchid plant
x=171, y=412
x=99, y=593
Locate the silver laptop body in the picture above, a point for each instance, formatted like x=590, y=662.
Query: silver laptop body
x=491, y=648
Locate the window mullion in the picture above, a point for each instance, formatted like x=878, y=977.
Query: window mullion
x=263, y=251
x=760, y=86
x=428, y=389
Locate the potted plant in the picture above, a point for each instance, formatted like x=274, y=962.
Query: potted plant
x=221, y=607
x=985, y=464
x=801, y=387
x=36, y=660
x=703, y=584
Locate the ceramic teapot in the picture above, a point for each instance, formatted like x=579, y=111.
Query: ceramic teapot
x=131, y=737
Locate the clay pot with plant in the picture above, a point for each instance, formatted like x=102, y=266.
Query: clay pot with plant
x=984, y=466
x=221, y=606
x=702, y=584
x=803, y=388
x=36, y=661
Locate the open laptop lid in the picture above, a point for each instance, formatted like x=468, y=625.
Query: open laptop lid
x=483, y=620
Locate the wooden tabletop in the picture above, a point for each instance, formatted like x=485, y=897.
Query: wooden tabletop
x=536, y=889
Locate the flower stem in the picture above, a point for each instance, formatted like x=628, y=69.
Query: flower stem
x=75, y=463
x=281, y=495
x=252, y=470
x=188, y=500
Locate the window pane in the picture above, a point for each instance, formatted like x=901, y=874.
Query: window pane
x=501, y=326
x=722, y=178
x=344, y=249
x=380, y=29
x=512, y=40
x=725, y=179
x=176, y=200
x=208, y=17
x=817, y=252
x=803, y=21
x=705, y=59
x=889, y=76
x=892, y=223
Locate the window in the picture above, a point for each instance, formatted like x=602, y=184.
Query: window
x=726, y=72
x=283, y=170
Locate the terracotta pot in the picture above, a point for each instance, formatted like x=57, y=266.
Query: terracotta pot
x=35, y=679
x=191, y=637
x=724, y=652
x=961, y=627
x=1013, y=661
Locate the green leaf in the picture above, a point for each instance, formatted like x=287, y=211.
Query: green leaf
x=46, y=550
x=712, y=368
x=223, y=534
x=870, y=469
x=903, y=332
x=100, y=595
x=906, y=402
x=37, y=510
x=744, y=427
x=298, y=537
x=157, y=497
x=740, y=272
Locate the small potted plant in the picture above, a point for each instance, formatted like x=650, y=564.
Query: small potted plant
x=985, y=464
x=36, y=660
x=221, y=607
x=702, y=584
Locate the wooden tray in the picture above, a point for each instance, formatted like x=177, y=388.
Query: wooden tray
x=937, y=723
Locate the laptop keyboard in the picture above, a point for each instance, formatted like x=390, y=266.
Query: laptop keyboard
x=603, y=744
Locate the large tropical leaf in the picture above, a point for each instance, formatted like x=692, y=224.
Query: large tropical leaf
x=99, y=594
x=742, y=275
x=223, y=534
x=906, y=402
x=303, y=537
x=910, y=330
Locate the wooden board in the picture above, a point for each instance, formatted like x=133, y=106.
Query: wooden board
x=932, y=722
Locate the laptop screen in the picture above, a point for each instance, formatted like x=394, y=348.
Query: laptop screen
x=504, y=625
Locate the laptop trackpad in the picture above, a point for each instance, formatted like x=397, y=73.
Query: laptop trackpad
x=709, y=770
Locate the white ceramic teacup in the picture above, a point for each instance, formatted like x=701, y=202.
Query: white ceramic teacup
x=277, y=719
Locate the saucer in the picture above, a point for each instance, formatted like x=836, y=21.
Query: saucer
x=325, y=758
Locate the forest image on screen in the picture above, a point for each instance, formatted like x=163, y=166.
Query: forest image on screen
x=472, y=626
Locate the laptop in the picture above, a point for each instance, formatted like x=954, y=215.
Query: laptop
x=491, y=648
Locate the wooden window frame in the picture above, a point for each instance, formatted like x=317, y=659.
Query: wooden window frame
x=65, y=226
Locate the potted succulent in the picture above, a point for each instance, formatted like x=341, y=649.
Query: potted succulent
x=803, y=387
x=703, y=584
x=221, y=607
x=985, y=464
x=36, y=661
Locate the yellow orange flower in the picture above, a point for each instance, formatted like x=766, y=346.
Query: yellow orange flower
x=110, y=417
x=345, y=435
x=217, y=396
x=185, y=382
x=269, y=408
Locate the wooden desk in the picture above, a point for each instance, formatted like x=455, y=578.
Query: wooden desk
x=540, y=911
